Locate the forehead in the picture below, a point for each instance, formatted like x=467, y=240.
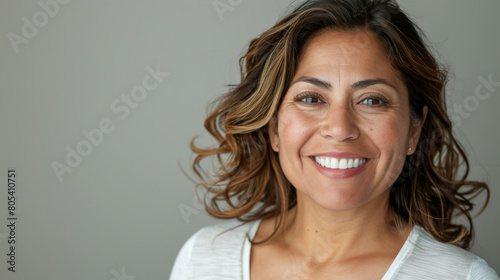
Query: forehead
x=340, y=51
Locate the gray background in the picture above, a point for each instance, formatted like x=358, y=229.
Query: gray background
x=118, y=213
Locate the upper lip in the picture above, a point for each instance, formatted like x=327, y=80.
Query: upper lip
x=339, y=155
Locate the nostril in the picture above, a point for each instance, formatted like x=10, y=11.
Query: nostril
x=340, y=130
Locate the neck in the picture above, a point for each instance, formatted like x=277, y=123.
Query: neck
x=327, y=235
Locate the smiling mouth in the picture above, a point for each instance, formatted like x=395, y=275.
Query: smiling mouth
x=340, y=163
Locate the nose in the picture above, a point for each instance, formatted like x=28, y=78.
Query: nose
x=339, y=124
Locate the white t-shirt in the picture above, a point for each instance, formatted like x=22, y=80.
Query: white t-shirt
x=223, y=252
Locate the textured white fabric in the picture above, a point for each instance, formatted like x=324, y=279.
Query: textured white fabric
x=223, y=252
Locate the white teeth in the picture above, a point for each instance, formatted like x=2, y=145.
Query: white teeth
x=335, y=163
x=343, y=163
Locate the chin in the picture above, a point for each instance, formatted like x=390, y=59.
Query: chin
x=345, y=201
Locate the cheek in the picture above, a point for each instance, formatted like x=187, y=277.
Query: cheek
x=389, y=133
x=391, y=140
x=386, y=137
x=296, y=127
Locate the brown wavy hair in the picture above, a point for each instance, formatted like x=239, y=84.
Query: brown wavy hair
x=249, y=183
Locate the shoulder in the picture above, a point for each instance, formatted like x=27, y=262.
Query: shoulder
x=431, y=259
x=223, y=239
x=226, y=231
x=213, y=250
x=481, y=270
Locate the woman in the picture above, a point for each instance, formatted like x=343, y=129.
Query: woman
x=337, y=155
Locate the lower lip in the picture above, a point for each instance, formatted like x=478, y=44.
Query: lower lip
x=340, y=173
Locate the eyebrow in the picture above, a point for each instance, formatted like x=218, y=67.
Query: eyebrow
x=314, y=81
x=358, y=85
x=371, y=82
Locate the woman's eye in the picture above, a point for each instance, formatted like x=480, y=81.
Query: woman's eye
x=374, y=102
x=309, y=99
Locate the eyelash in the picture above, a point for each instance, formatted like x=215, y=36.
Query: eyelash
x=309, y=95
x=383, y=100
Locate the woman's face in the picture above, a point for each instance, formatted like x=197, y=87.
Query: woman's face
x=343, y=127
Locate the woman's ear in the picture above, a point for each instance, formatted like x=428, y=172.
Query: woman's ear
x=273, y=134
x=416, y=130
